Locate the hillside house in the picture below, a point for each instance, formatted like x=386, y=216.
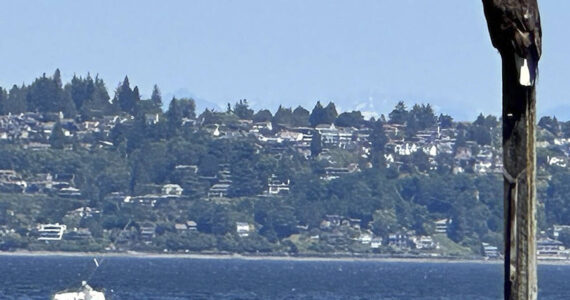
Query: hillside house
x=558, y=161
x=336, y=172
x=187, y=169
x=276, y=186
x=220, y=188
x=69, y=192
x=243, y=229
x=556, y=229
x=180, y=227
x=149, y=200
x=82, y=212
x=172, y=190
x=12, y=182
x=442, y=225
x=192, y=225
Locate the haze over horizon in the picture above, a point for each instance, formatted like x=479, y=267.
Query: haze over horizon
x=367, y=55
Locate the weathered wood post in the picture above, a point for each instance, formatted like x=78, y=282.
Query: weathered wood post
x=514, y=27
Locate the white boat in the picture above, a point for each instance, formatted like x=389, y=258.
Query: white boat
x=84, y=293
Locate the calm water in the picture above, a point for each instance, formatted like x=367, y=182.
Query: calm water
x=25, y=277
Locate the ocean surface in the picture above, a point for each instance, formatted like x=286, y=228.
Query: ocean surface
x=38, y=277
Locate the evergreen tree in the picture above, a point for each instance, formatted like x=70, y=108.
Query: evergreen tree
x=16, y=102
x=98, y=104
x=486, y=122
x=57, y=138
x=316, y=145
x=400, y=114
x=3, y=100
x=242, y=110
x=187, y=107
x=174, y=116
x=125, y=98
x=178, y=110
x=378, y=138
x=550, y=124
x=424, y=115
x=283, y=116
x=421, y=117
x=263, y=115
x=136, y=94
x=80, y=90
x=445, y=121
x=350, y=119
x=330, y=114
x=89, y=96
x=323, y=115
x=317, y=115
x=156, y=97
x=300, y=117
x=138, y=108
x=46, y=94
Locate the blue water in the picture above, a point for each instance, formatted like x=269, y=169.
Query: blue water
x=36, y=277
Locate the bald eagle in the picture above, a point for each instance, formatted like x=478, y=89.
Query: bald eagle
x=514, y=27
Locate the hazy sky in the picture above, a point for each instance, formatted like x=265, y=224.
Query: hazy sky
x=359, y=54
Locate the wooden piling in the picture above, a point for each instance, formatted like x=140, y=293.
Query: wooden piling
x=519, y=159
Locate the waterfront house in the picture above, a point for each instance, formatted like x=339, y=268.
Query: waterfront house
x=490, y=251
x=365, y=238
x=51, y=232
x=549, y=249
x=424, y=242
x=376, y=243
x=399, y=240
x=147, y=231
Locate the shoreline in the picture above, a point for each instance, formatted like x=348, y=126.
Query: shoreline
x=134, y=254
x=236, y=256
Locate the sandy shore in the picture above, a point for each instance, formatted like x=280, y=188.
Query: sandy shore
x=134, y=254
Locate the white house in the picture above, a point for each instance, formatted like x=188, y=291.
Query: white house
x=243, y=229
x=51, y=232
x=172, y=190
x=441, y=225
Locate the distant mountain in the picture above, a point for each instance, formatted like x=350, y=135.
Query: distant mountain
x=201, y=104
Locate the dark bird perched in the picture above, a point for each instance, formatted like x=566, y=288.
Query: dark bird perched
x=514, y=26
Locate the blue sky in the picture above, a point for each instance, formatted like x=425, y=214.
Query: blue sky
x=359, y=54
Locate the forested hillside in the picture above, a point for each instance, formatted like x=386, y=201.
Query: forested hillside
x=122, y=174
